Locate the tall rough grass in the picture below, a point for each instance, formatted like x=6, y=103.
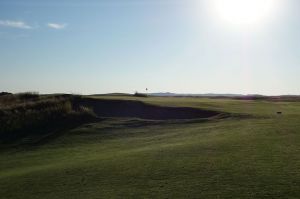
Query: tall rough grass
x=29, y=113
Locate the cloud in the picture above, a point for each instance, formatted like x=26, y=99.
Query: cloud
x=14, y=24
x=56, y=26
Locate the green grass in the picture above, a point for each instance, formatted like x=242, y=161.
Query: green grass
x=255, y=157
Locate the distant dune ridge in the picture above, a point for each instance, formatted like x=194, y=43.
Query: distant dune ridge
x=231, y=96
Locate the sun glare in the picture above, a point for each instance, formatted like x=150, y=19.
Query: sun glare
x=244, y=12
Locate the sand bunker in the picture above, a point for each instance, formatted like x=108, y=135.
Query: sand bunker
x=137, y=109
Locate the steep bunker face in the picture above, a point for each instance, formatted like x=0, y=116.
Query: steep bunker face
x=137, y=109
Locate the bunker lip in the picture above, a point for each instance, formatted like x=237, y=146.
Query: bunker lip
x=137, y=109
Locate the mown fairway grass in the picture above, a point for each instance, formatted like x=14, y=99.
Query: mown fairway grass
x=249, y=157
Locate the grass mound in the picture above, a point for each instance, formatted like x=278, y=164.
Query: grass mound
x=34, y=117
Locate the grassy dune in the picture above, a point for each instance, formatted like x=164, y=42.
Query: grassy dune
x=34, y=117
x=232, y=157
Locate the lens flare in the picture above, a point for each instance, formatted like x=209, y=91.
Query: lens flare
x=244, y=12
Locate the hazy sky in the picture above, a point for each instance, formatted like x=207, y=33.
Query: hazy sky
x=182, y=46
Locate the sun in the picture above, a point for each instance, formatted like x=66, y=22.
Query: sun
x=244, y=12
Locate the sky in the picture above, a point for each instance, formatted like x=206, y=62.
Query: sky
x=182, y=46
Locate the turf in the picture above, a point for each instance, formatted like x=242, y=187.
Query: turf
x=236, y=157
